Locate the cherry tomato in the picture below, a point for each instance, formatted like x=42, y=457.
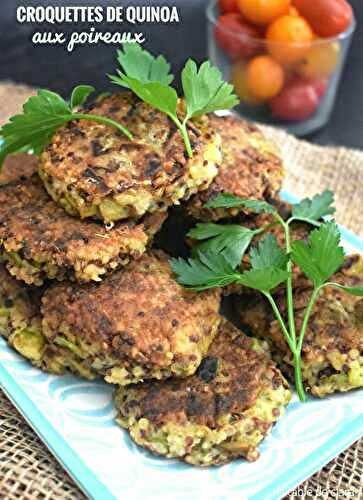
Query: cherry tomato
x=297, y=102
x=327, y=17
x=264, y=77
x=236, y=37
x=226, y=6
x=239, y=81
x=320, y=61
x=320, y=86
x=263, y=11
x=293, y=11
x=289, y=38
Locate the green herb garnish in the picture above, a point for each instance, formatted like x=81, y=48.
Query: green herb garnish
x=214, y=262
x=149, y=78
x=231, y=239
x=42, y=115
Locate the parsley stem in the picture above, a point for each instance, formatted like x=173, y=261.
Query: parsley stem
x=297, y=354
x=281, y=321
x=101, y=119
x=182, y=126
x=299, y=386
x=289, y=292
x=307, y=315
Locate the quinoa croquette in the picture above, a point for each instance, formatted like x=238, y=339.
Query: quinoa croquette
x=332, y=354
x=251, y=168
x=137, y=324
x=220, y=413
x=21, y=326
x=39, y=240
x=19, y=166
x=93, y=170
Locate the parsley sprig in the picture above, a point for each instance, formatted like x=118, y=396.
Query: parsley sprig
x=150, y=79
x=215, y=261
x=42, y=115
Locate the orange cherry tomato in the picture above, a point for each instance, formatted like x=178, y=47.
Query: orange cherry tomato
x=293, y=11
x=226, y=6
x=235, y=37
x=264, y=77
x=263, y=11
x=320, y=61
x=327, y=17
x=288, y=38
x=239, y=81
x=297, y=102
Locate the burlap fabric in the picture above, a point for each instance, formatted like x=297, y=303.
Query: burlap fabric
x=28, y=470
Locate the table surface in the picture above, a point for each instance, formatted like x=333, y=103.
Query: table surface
x=53, y=67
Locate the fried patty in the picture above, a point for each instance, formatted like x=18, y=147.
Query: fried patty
x=251, y=168
x=20, y=324
x=137, y=324
x=332, y=354
x=39, y=240
x=92, y=169
x=214, y=416
x=19, y=166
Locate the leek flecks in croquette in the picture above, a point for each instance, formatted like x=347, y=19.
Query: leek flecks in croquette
x=220, y=413
x=137, y=324
x=21, y=326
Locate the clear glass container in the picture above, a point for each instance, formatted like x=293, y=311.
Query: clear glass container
x=313, y=70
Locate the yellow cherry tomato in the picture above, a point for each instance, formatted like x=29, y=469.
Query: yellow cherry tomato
x=264, y=77
x=239, y=81
x=263, y=11
x=320, y=61
x=289, y=38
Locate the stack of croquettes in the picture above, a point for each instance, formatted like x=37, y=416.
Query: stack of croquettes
x=83, y=288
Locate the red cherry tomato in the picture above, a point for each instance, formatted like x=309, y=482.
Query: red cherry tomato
x=236, y=37
x=226, y=6
x=326, y=17
x=321, y=86
x=297, y=102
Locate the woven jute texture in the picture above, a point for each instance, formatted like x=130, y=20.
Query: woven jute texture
x=29, y=471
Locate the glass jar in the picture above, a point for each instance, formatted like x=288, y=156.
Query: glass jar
x=311, y=74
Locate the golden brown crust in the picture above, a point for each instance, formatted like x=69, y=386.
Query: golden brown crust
x=38, y=232
x=138, y=315
x=97, y=162
x=228, y=381
x=26, y=299
x=251, y=168
x=19, y=166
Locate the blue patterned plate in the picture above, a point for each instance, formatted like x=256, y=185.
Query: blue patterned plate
x=75, y=419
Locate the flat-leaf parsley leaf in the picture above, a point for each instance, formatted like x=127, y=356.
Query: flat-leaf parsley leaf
x=230, y=239
x=42, y=115
x=148, y=77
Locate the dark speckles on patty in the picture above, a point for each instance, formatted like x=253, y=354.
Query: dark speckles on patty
x=251, y=168
x=144, y=178
x=220, y=413
x=39, y=240
x=143, y=316
x=20, y=325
